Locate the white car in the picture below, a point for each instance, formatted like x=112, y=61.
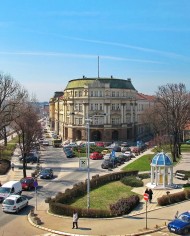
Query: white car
x=129, y=154
x=14, y=203
x=107, y=156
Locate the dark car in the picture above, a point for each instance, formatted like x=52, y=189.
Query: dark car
x=28, y=183
x=125, y=157
x=107, y=164
x=180, y=225
x=122, y=158
x=31, y=158
x=69, y=153
x=117, y=149
x=46, y=173
x=116, y=161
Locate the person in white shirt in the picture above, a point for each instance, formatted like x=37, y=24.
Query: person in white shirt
x=75, y=219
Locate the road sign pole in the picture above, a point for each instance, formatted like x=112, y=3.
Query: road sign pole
x=146, y=214
x=36, y=197
x=146, y=197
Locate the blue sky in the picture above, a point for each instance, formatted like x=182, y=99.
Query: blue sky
x=46, y=43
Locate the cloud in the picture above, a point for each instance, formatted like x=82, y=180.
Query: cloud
x=59, y=54
x=163, y=53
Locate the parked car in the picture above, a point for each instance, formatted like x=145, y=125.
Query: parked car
x=105, y=151
x=181, y=224
x=116, y=161
x=96, y=156
x=14, y=203
x=68, y=152
x=124, y=144
x=45, y=143
x=124, y=149
x=107, y=156
x=122, y=158
x=117, y=149
x=129, y=154
x=125, y=157
x=107, y=164
x=100, y=144
x=46, y=173
x=187, y=142
x=31, y=158
x=27, y=183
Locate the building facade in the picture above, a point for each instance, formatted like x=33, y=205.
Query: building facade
x=109, y=105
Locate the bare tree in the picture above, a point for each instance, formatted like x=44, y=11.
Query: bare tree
x=169, y=115
x=174, y=108
x=11, y=95
x=28, y=128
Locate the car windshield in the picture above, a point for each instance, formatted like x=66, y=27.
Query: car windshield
x=8, y=202
x=45, y=171
x=5, y=190
x=184, y=218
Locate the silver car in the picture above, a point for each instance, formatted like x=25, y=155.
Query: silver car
x=14, y=203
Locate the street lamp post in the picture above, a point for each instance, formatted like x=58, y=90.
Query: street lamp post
x=88, y=161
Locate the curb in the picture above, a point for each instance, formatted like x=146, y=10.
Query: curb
x=70, y=234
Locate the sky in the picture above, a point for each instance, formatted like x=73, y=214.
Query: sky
x=46, y=43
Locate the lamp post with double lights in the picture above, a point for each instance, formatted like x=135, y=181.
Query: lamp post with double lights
x=88, y=120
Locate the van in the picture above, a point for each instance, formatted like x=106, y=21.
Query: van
x=9, y=188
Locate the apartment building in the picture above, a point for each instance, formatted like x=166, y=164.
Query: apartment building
x=110, y=106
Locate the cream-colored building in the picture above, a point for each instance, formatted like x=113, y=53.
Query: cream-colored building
x=111, y=106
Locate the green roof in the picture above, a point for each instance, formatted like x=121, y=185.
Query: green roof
x=114, y=83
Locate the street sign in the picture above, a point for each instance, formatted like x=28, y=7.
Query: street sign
x=146, y=196
x=35, y=184
x=83, y=162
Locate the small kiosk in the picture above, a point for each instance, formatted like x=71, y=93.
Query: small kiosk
x=161, y=171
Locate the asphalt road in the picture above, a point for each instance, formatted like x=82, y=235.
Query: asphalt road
x=66, y=173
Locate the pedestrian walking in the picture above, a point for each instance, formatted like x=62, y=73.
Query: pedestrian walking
x=150, y=192
x=0, y=184
x=75, y=219
x=147, y=191
x=12, y=166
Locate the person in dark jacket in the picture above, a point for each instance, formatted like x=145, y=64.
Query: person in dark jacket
x=150, y=195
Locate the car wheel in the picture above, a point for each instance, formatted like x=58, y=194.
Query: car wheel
x=17, y=210
x=185, y=231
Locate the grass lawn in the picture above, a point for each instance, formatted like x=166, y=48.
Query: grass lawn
x=103, y=196
x=7, y=152
x=141, y=164
x=185, y=148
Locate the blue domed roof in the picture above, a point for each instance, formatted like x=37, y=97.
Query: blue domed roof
x=161, y=159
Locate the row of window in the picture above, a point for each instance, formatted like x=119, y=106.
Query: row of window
x=100, y=93
x=100, y=107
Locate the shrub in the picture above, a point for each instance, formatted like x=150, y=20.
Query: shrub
x=4, y=166
x=163, y=201
x=124, y=205
x=144, y=176
x=187, y=193
x=132, y=181
x=173, y=198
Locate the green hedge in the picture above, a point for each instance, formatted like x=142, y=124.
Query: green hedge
x=174, y=198
x=132, y=181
